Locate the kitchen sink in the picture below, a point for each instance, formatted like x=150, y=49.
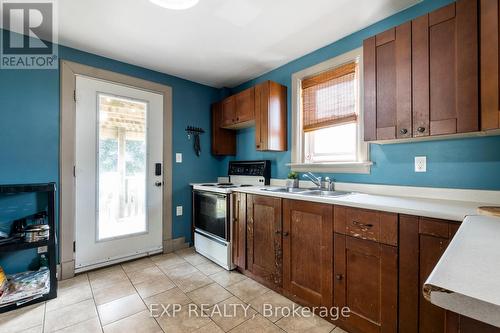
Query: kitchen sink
x=308, y=192
x=322, y=193
x=286, y=190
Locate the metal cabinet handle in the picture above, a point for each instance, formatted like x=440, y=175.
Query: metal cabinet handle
x=285, y=233
x=158, y=184
x=339, y=277
x=278, y=232
x=421, y=129
x=362, y=225
x=403, y=131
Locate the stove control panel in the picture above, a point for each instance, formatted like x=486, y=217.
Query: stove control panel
x=251, y=168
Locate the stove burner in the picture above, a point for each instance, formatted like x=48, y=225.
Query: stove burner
x=225, y=184
x=246, y=185
x=207, y=184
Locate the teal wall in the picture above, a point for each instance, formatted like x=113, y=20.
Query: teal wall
x=464, y=163
x=29, y=127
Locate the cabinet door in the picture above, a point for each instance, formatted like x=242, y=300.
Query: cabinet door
x=422, y=242
x=228, y=112
x=245, y=105
x=445, y=70
x=270, y=117
x=366, y=281
x=238, y=229
x=307, y=251
x=431, y=317
x=223, y=140
x=489, y=70
x=387, y=84
x=264, y=248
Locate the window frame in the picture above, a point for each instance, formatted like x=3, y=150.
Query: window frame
x=362, y=164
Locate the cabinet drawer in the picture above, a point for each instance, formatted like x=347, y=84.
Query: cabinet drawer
x=367, y=224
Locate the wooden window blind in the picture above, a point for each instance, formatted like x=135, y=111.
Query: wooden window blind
x=329, y=98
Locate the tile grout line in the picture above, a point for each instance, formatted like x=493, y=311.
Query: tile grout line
x=44, y=314
x=142, y=299
x=95, y=305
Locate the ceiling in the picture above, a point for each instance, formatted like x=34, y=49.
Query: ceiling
x=218, y=42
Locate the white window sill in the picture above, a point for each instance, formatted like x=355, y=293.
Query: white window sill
x=337, y=167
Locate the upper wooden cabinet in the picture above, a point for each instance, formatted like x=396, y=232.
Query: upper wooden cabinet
x=264, y=225
x=308, y=252
x=228, y=112
x=421, y=78
x=264, y=106
x=245, y=106
x=387, y=80
x=490, y=70
x=223, y=140
x=270, y=117
x=238, y=110
x=445, y=70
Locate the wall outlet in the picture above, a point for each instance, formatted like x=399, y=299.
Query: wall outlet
x=178, y=211
x=420, y=163
x=178, y=157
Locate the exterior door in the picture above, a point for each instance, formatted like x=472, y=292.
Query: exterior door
x=119, y=144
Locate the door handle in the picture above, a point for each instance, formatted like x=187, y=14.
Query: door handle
x=158, y=184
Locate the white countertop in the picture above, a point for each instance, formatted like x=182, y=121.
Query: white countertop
x=434, y=208
x=466, y=279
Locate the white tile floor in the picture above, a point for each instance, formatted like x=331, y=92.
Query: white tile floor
x=116, y=300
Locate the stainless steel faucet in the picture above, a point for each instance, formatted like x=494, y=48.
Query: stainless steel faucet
x=313, y=178
x=328, y=184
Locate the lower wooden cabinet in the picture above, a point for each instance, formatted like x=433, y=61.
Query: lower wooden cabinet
x=264, y=248
x=373, y=262
x=238, y=229
x=366, y=281
x=422, y=242
x=308, y=252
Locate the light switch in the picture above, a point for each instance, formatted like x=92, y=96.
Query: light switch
x=420, y=163
x=178, y=158
x=178, y=211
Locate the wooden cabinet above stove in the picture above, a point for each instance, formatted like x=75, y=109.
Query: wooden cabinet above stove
x=263, y=106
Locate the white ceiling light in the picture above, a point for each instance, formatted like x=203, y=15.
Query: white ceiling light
x=175, y=4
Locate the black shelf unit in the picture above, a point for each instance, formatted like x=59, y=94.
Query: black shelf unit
x=50, y=190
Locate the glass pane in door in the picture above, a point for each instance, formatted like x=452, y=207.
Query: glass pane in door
x=121, y=167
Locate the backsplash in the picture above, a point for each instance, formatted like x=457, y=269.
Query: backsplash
x=471, y=163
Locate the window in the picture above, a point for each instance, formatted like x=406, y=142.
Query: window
x=327, y=126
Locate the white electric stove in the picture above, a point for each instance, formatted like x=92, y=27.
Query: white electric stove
x=212, y=205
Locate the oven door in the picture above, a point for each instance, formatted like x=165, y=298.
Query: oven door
x=210, y=213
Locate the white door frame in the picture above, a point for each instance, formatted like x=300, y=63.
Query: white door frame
x=68, y=71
